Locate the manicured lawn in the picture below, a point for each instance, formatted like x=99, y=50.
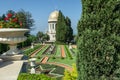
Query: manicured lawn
x=64, y=61
x=67, y=60
x=58, y=54
x=40, y=53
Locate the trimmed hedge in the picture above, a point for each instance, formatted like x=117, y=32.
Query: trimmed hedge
x=68, y=52
x=26, y=76
x=58, y=69
x=28, y=52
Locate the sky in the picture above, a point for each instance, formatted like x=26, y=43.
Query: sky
x=41, y=9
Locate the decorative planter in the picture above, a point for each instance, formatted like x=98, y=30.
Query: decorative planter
x=12, y=36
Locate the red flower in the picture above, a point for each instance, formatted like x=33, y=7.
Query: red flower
x=6, y=18
x=9, y=15
x=15, y=20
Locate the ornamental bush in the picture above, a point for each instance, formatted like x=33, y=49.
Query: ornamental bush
x=98, y=55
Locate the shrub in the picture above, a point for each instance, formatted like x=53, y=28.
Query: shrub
x=26, y=76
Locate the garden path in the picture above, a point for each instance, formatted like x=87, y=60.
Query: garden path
x=36, y=51
x=62, y=51
x=45, y=59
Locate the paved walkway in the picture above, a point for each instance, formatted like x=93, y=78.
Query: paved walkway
x=10, y=70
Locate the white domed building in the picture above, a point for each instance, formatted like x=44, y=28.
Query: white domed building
x=52, y=20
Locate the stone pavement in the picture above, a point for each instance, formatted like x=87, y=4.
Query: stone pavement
x=10, y=70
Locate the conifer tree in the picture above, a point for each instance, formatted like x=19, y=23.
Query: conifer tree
x=64, y=30
x=69, y=35
x=99, y=40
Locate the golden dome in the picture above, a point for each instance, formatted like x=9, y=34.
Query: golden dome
x=53, y=16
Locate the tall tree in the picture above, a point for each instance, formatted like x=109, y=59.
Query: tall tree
x=25, y=18
x=60, y=28
x=40, y=36
x=99, y=40
x=69, y=35
x=64, y=31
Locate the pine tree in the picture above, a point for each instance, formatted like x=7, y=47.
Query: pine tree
x=99, y=40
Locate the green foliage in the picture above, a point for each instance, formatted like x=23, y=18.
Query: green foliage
x=28, y=52
x=30, y=39
x=26, y=18
x=42, y=37
x=58, y=69
x=3, y=48
x=71, y=75
x=25, y=76
x=68, y=52
x=98, y=55
x=64, y=32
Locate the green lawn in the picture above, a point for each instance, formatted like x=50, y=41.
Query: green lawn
x=66, y=60
x=57, y=56
x=40, y=53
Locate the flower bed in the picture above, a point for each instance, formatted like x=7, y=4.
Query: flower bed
x=11, y=20
x=62, y=52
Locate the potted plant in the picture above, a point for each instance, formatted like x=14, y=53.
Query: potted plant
x=12, y=32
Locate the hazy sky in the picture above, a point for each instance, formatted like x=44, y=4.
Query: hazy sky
x=41, y=9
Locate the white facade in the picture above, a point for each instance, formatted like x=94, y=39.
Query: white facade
x=52, y=26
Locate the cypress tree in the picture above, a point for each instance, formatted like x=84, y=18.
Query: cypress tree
x=64, y=31
x=61, y=28
x=69, y=35
x=98, y=55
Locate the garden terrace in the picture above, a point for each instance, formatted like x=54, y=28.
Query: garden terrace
x=54, y=68
x=46, y=50
x=68, y=52
x=58, y=58
x=28, y=52
x=42, y=50
x=62, y=52
x=36, y=52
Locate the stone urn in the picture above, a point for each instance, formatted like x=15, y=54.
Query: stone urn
x=12, y=36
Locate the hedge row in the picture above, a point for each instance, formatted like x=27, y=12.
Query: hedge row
x=26, y=76
x=68, y=52
x=28, y=52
